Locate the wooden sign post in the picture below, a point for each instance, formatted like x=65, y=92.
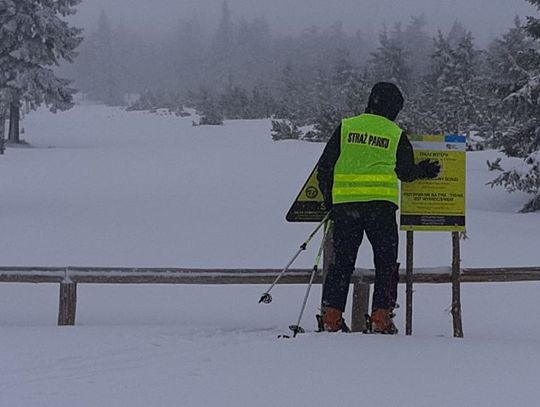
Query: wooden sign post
x=409, y=283
x=456, y=286
x=436, y=205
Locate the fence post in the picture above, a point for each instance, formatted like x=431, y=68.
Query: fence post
x=67, y=306
x=456, y=286
x=409, y=283
x=360, y=306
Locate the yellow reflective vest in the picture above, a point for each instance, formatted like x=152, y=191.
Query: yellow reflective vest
x=365, y=169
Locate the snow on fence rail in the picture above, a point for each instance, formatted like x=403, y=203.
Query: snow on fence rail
x=69, y=277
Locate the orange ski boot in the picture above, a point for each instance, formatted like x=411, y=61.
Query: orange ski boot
x=332, y=320
x=382, y=323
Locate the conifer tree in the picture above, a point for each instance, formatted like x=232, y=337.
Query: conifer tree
x=503, y=70
x=390, y=61
x=262, y=104
x=338, y=95
x=290, y=113
x=356, y=91
x=209, y=109
x=34, y=37
x=457, y=33
x=418, y=47
x=533, y=23
x=285, y=129
x=416, y=115
x=105, y=75
x=327, y=108
x=187, y=52
x=294, y=95
x=234, y=102
x=293, y=105
x=522, y=139
x=451, y=88
x=221, y=48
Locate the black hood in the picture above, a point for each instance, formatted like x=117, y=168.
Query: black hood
x=385, y=100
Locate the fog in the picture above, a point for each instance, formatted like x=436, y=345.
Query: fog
x=259, y=58
x=485, y=18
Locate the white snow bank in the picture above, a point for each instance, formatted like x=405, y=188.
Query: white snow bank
x=132, y=189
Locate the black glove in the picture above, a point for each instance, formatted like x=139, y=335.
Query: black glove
x=428, y=169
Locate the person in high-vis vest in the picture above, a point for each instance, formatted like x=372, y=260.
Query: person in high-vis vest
x=359, y=174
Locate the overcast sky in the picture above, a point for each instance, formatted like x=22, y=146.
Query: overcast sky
x=484, y=17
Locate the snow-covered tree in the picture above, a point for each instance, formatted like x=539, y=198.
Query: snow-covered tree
x=390, y=61
x=501, y=72
x=457, y=33
x=285, y=129
x=342, y=93
x=293, y=96
x=221, y=47
x=451, y=88
x=105, y=81
x=291, y=109
x=251, y=58
x=34, y=37
x=234, y=102
x=209, y=109
x=522, y=98
x=187, y=52
x=418, y=47
x=99, y=64
x=326, y=108
x=262, y=104
x=533, y=23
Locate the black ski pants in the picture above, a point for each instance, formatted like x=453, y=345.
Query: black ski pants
x=378, y=220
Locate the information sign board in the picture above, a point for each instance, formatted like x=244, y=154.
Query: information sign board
x=438, y=204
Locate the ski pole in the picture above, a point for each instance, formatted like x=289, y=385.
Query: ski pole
x=266, y=298
x=297, y=329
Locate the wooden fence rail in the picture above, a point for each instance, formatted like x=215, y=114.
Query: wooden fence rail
x=70, y=277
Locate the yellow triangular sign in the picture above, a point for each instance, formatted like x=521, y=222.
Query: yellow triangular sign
x=309, y=204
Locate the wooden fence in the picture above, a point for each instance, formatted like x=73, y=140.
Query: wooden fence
x=69, y=277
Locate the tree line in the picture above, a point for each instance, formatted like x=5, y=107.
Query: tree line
x=306, y=83
x=34, y=38
x=309, y=82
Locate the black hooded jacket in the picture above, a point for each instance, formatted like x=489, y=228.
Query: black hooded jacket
x=385, y=100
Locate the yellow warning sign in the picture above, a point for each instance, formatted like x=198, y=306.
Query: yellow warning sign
x=437, y=204
x=309, y=204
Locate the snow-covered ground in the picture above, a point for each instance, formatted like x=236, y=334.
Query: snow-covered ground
x=104, y=187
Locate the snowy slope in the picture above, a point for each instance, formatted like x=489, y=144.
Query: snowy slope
x=107, y=187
